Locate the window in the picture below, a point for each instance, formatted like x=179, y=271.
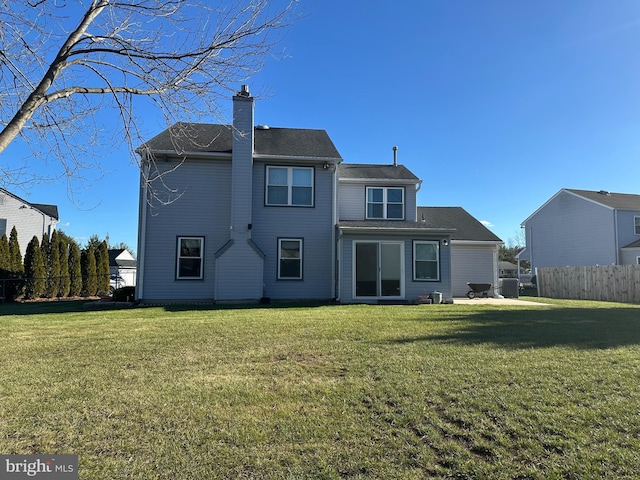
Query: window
x=190, y=258
x=636, y=221
x=385, y=203
x=292, y=186
x=289, y=259
x=426, y=260
x=3, y=226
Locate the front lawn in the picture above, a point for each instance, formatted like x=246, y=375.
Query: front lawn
x=446, y=391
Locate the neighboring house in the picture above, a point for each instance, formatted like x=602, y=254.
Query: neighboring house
x=583, y=227
x=122, y=268
x=474, y=248
x=265, y=213
x=30, y=219
x=507, y=269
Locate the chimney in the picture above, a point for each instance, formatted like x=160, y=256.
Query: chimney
x=242, y=164
x=395, y=156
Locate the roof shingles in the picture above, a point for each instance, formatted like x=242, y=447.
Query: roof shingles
x=466, y=226
x=619, y=201
x=185, y=138
x=360, y=171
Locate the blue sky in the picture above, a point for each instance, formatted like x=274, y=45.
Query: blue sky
x=495, y=104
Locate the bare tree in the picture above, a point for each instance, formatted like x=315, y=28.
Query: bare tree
x=64, y=64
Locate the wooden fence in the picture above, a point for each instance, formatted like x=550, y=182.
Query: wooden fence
x=610, y=283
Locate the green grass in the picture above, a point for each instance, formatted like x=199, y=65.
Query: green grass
x=446, y=391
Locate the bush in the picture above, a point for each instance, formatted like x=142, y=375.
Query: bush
x=124, y=294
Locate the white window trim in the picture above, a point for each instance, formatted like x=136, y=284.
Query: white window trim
x=422, y=242
x=201, y=257
x=289, y=186
x=384, y=203
x=636, y=224
x=301, y=243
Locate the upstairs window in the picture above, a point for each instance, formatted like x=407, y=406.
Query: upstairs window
x=636, y=221
x=190, y=258
x=3, y=226
x=385, y=203
x=289, y=186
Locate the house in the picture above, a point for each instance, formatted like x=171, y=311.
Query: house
x=29, y=219
x=474, y=248
x=507, y=269
x=122, y=267
x=583, y=227
x=275, y=213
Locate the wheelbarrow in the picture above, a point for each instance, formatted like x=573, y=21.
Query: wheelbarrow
x=478, y=290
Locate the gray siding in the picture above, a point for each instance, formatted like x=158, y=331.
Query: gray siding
x=412, y=289
x=202, y=210
x=242, y=166
x=629, y=256
x=239, y=268
x=410, y=205
x=571, y=231
x=29, y=222
x=239, y=273
x=352, y=200
x=626, y=230
x=312, y=224
x=473, y=264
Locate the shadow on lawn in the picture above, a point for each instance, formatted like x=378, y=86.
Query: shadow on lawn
x=85, y=305
x=599, y=328
x=245, y=306
x=37, y=308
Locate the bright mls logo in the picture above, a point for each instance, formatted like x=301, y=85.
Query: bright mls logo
x=48, y=467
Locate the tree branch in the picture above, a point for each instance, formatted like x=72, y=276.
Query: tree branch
x=178, y=56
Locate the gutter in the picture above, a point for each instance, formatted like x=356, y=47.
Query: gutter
x=615, y=236
x=334, y=221
x=396, y=230
x=142, y=219
x=158, y=154
x=292, y=158
x=476, y=242
x=385, y=181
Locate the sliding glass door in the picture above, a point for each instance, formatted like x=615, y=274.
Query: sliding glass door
x=378, y=269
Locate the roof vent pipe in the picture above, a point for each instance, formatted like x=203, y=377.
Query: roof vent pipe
x=395, y=156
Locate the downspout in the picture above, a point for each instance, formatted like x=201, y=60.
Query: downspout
x=335, y=272
x=615, y=236
x=529, y=245
x=534, y=271
x=496, y=276
x=142, y=237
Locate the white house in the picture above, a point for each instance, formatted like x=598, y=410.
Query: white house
x=29, y=219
